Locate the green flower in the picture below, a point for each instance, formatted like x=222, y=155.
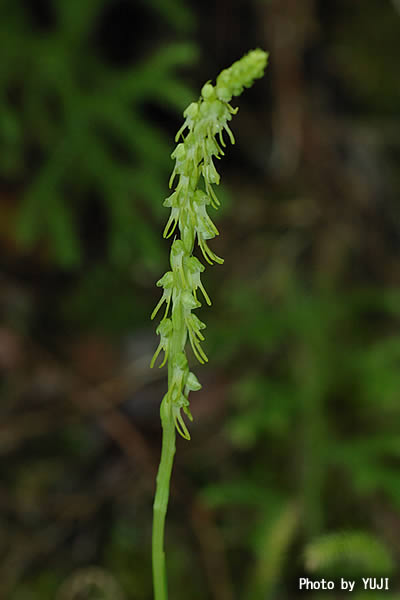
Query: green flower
x=200, y=141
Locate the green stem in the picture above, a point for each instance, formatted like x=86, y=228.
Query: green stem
x=161, y=502
x=194, y=159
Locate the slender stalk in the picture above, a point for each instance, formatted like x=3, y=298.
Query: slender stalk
x=161, y=498
x=161, y=503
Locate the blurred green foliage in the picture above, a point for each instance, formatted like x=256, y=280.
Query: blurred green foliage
x=326, y=412
x=348, y=553
x=73, y=127
x=295, y=451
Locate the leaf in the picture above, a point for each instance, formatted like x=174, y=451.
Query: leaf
x=275, y=539
x=353, y=552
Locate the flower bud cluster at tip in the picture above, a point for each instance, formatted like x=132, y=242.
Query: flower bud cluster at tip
x=200, y=140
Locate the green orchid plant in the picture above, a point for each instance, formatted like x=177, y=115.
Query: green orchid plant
x=206, y=121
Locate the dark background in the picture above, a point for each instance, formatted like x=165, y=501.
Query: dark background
x=293, y=467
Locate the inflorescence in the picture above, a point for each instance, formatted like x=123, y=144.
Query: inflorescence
x=206, y=121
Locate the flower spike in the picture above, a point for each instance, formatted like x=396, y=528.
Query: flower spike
x=199, y=141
